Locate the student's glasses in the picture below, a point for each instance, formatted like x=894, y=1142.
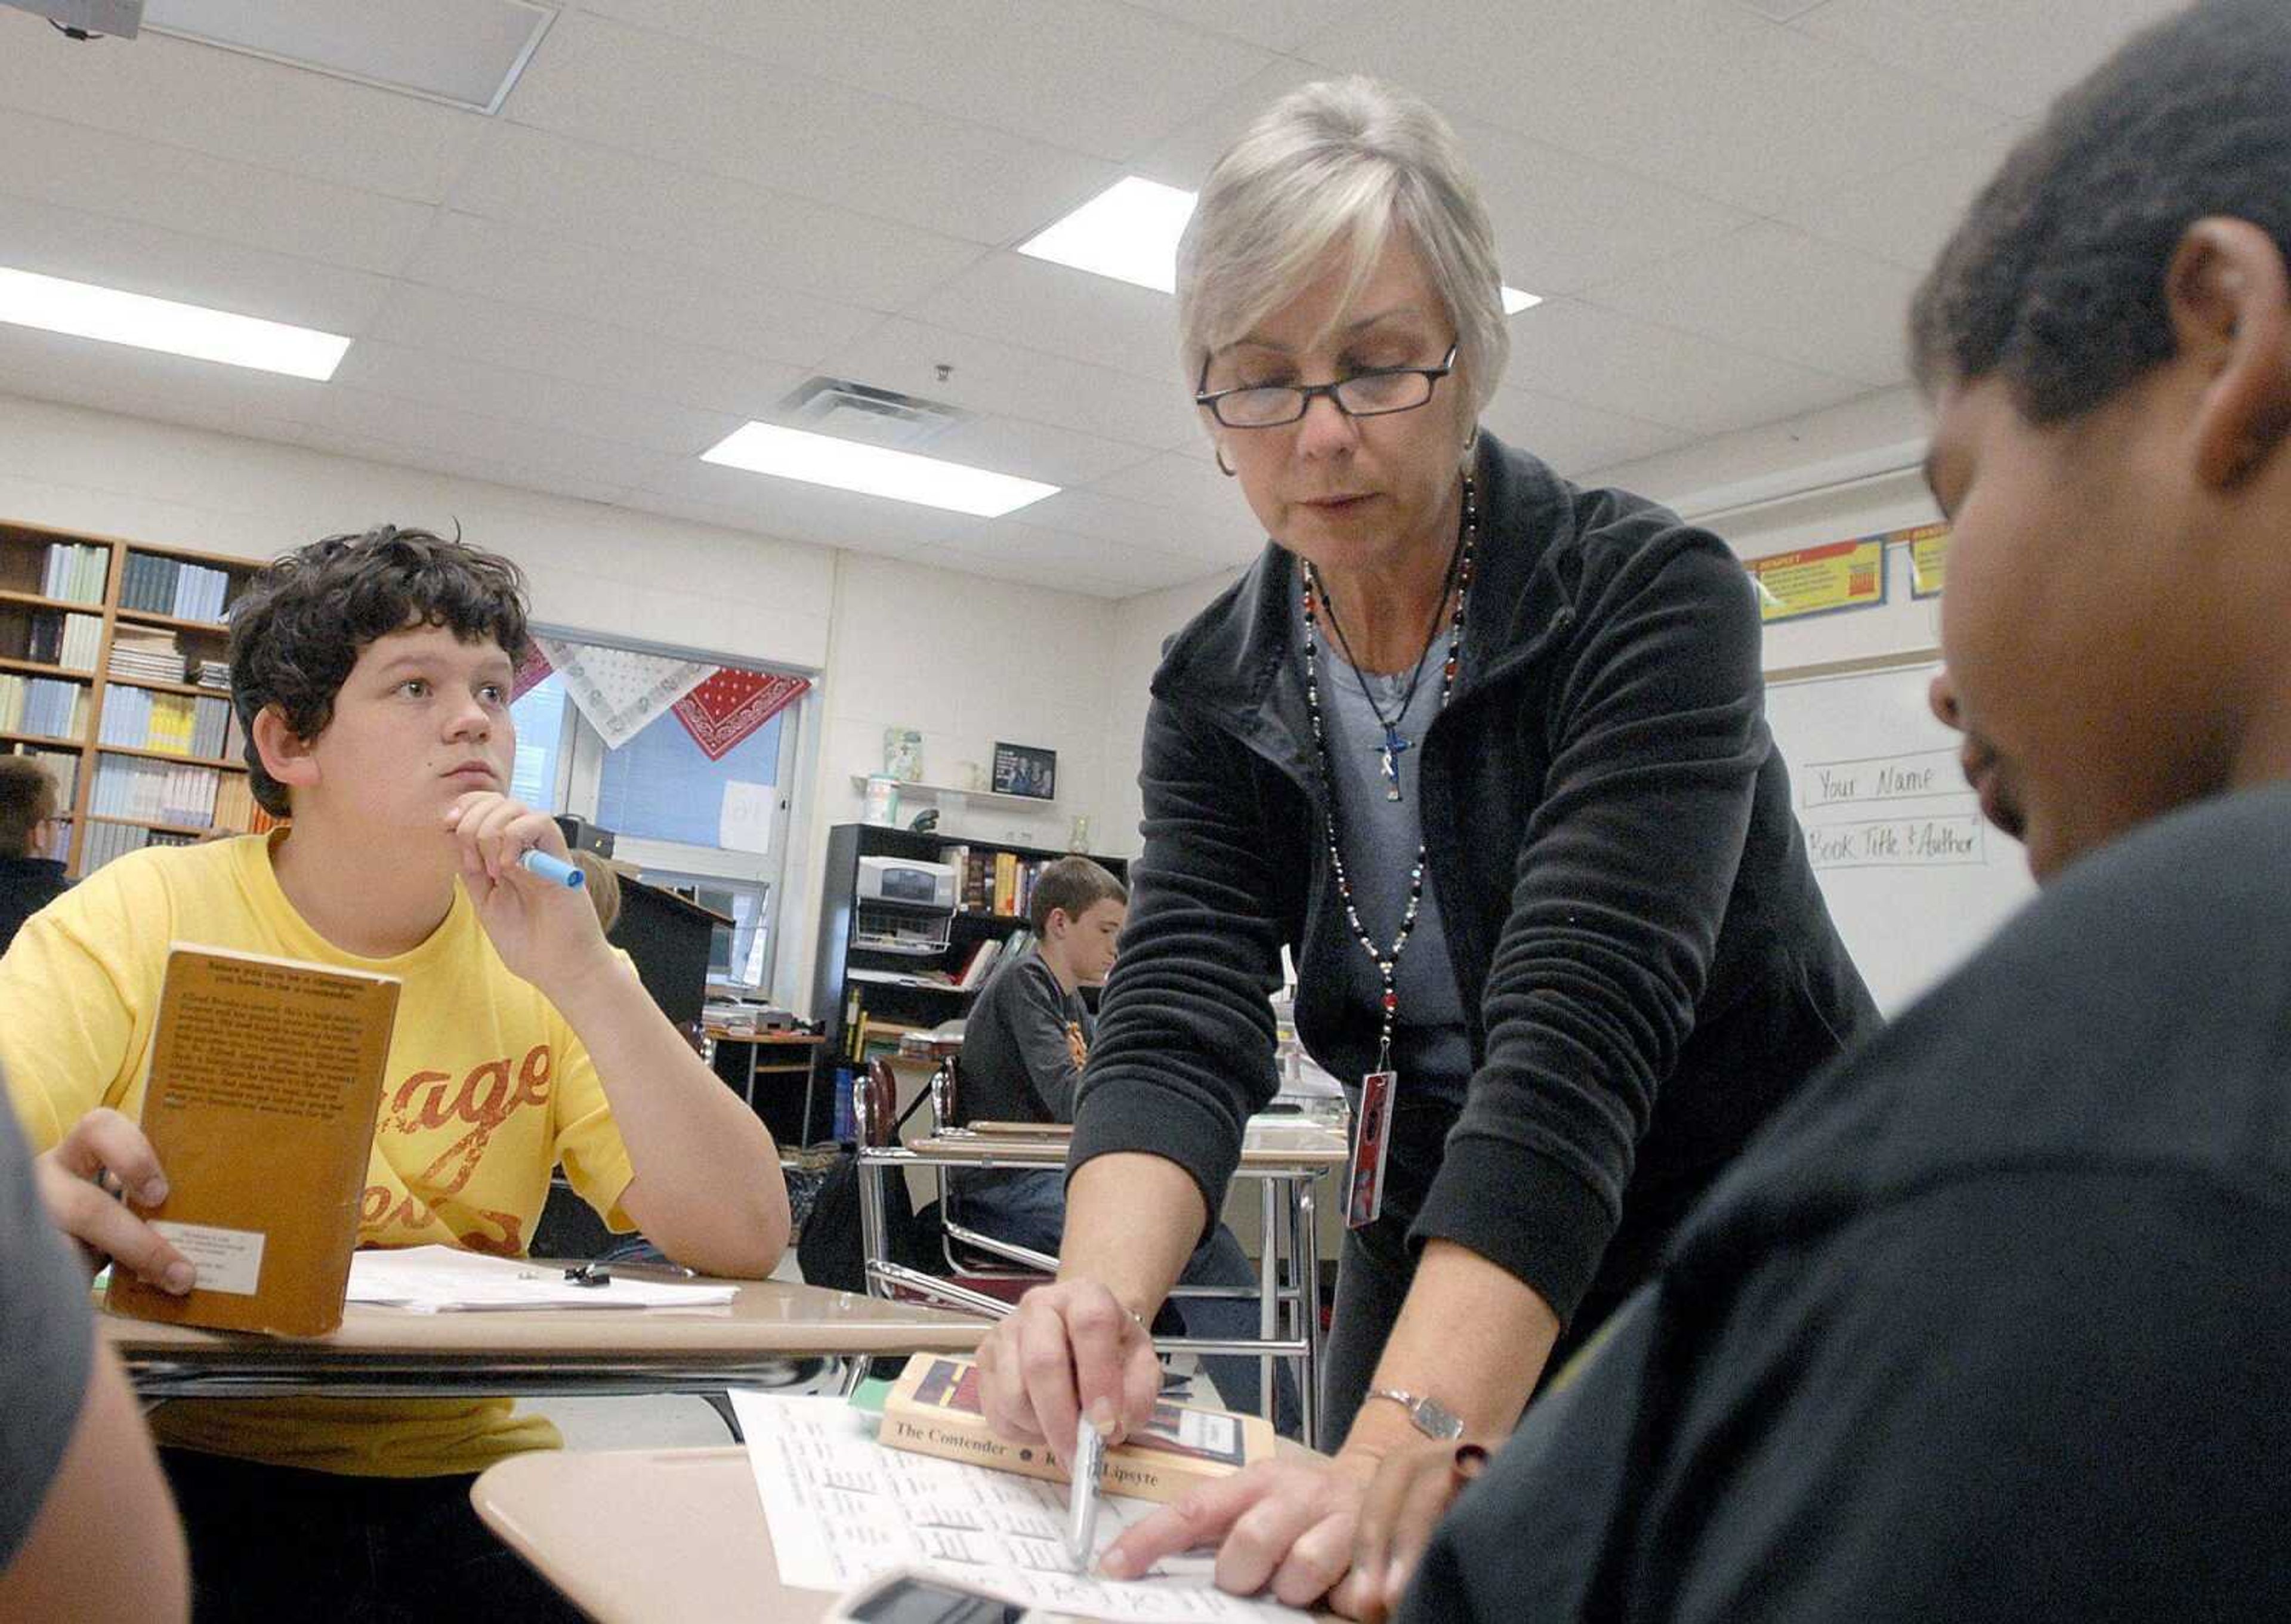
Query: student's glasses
x=1372, y=393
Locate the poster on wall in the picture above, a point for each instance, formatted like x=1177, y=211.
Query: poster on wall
x=1928, y=546
x=1820, y=580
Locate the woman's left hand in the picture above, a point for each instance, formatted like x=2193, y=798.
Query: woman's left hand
x=1290, y=1522
x=1414, y=1486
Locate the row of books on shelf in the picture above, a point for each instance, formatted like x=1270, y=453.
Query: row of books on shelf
x=995, y=882
x=99, y=843
x=75, y=571
x=991, y=952
x=169, y=586
x=174, y=723
x=68, y=641
x=162, y=792
x=47, y=706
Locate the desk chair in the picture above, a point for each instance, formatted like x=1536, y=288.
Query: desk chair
x=876, y=1121
x=977, y=1267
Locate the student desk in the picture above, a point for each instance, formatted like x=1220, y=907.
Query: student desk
x=774, y=1333
x=685, y=1534
x=1288, y=1154
x=773, y=1054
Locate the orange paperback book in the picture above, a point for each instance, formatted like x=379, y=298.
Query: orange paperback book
x=934, y=1409
x=266, y=1080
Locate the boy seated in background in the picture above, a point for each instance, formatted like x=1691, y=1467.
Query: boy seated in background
x=1994, y=1321
x=30, y=878
x=1025, y=1042
x=372, y=675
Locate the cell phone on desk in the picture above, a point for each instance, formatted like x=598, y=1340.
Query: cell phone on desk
x=911, y=1596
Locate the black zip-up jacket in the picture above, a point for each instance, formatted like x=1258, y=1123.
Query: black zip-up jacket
x=1646, y=964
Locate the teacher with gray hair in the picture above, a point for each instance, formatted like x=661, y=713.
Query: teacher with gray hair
x=1488, y=753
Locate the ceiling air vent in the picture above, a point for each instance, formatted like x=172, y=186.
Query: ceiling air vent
x=872, y=416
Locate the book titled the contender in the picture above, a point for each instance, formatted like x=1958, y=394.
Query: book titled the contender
x=266, y=1079
x=934, y=1409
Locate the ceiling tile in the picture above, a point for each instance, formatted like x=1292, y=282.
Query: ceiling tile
x=143, y=259
x=1214, y=537
x=1702, y=94
x=145, y=383
x=126, y=177
x=1573, y=438
x=1656, y=374
x=1089, y=75
x=596, y=195
x=427, y=426
x=1068, y=312
x=2016, y=58
x=441, y=321
x=988, y=376
x=1907, y=215
x=686, y=103
x=429, y=459
x=1277, y=25
x=1034, y=451
x=1770, y=289
x=1781, y=10
x=236, y=107
x=554, y=404
x=478, y=256
x=803, y=512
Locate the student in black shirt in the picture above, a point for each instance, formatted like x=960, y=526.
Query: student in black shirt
x=29, y=878
x=1025, y=1042
x=1994, y=1321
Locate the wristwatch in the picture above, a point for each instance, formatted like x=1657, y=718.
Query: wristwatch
x=1432, y=1418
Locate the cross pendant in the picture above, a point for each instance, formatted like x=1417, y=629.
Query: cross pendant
x=1390, y=751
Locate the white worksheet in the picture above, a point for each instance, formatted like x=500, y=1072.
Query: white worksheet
x=842, y=1509
x=447, y=1280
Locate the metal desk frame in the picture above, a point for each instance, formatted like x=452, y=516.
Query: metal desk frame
x=1289, y=1309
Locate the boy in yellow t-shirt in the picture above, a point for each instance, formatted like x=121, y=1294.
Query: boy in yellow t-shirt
x=372, y=674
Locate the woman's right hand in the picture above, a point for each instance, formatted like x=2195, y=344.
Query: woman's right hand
x=80, y=1181
x=1069, y=1350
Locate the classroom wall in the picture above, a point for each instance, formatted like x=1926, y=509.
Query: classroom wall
x=966, y=660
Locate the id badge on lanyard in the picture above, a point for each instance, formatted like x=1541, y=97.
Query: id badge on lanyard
x=1371, y=1135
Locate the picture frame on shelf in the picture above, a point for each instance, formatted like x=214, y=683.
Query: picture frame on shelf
x=1027, y=771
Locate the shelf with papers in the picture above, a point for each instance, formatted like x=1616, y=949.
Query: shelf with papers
x=34, y=600
x=139, y=822
x=169, y=622
x=49, y=740
x=34, y=667
x=189, y=689
x=181, y=761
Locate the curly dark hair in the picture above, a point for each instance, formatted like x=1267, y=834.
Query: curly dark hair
x=2056, y=280
x=300, y=625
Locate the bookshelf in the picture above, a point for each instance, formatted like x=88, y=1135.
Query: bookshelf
x=111, y=671
x=854, y=984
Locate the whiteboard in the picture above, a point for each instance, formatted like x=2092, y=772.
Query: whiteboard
x=1914, y=877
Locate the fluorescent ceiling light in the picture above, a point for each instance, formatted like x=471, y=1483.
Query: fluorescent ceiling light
x=467, y=54
x=874, y=470
x=84, y=311
x=1130, y=231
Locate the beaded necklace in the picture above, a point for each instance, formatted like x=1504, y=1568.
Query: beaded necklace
x=1460, y=567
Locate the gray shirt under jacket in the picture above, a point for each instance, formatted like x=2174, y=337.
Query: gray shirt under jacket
x=47, y=1339
x=1431, y=1042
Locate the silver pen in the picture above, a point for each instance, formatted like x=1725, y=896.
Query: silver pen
x=1081, y=1497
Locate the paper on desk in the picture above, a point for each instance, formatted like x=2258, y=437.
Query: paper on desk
x=842, y=1509
x=447, y=1280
